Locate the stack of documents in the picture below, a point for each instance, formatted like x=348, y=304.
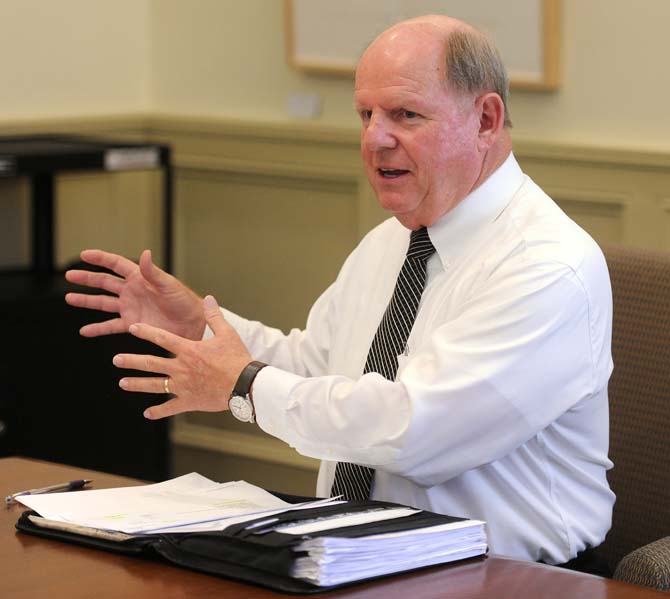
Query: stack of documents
x=242, y=531
x=337, y=560
x=189, y=503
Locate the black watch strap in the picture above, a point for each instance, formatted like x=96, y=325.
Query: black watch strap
x=247, y=376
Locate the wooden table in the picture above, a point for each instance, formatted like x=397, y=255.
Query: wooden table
x=34, y=568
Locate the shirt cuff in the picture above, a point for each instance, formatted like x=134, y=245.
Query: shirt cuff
x=271, y=390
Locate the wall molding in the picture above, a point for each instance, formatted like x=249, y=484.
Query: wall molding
x=592, y=155
x=347, y=138
x=159, y=125
x=192, y=162
x=133, y=125
x=238, y=444
x=599, y=200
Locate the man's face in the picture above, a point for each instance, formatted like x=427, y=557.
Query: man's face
x=418, y=138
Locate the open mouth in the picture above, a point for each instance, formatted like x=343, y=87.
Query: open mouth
x=391, y=173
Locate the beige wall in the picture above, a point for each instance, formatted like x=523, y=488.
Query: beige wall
x=226, y=58
x=73, y=57
x=615, y=78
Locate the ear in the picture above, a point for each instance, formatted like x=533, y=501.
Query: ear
x=491, y=113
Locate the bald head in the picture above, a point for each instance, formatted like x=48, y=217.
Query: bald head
x=438, y=26
x=471, y=63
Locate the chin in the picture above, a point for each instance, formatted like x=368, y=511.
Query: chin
x=396, y=204
x=408, y=213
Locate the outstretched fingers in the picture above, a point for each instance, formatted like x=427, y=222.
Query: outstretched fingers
x=120, y=265
x=169, y=408
x=152, y=273
x=144, y=363
x=213, y=315
x=144, y=384
x=105, y=303
x=172, y=343
x=108, y=327
x=98, y=280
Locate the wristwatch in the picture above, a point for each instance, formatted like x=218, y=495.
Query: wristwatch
x=240, y=403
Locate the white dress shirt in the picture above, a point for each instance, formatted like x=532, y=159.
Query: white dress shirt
x=499, y=409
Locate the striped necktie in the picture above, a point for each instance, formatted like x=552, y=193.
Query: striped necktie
x=351, y=480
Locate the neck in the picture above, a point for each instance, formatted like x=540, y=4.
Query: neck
x=495, y=156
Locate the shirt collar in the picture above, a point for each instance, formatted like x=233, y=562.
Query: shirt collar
x=482, y=206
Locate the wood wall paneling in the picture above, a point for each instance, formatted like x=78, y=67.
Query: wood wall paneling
x=120, y=212
x=246, y=239
x=15, y=214
x=265, y=215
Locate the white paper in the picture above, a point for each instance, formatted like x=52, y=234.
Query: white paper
x=344, y=520
x=182, y=502
x=334, y=560
x=222, y=524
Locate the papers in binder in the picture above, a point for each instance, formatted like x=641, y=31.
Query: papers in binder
x=336, y=560
x=344, y=520
x=327, y=545
x=188, y=503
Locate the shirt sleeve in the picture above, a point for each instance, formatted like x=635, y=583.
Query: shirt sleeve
x=303, y=352
x=519, y=354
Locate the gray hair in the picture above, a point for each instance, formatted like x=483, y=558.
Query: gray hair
x=474, y=65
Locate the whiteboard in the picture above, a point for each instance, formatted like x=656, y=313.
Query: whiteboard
x=326, y=36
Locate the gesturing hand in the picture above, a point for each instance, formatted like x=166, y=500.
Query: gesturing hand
x=201, y=375
x=144, y=294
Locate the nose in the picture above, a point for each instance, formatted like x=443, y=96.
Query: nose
x=378, y=134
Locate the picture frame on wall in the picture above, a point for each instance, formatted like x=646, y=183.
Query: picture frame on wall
x=325, y=37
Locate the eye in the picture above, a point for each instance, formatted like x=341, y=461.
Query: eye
x=410, y=114
x=366, y=115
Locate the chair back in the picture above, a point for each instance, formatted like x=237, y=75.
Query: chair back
x=639, y=395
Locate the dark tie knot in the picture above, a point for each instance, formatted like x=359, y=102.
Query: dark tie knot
x=420, y=245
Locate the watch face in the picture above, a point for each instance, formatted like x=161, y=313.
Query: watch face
x=241, y=408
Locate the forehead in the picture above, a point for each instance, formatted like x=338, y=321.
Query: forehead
x=402, y=66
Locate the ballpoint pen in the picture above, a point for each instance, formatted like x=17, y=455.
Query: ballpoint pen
x=72, y=485
x=260, y=523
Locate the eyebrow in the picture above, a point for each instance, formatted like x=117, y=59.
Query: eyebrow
x=414, y=104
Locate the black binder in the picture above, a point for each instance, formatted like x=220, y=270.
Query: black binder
x=256, y=555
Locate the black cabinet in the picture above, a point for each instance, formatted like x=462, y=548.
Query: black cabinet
x=59, y=394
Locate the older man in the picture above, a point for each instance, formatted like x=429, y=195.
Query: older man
x=459, y=362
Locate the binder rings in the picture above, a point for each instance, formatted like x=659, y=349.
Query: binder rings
x=250, y=552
